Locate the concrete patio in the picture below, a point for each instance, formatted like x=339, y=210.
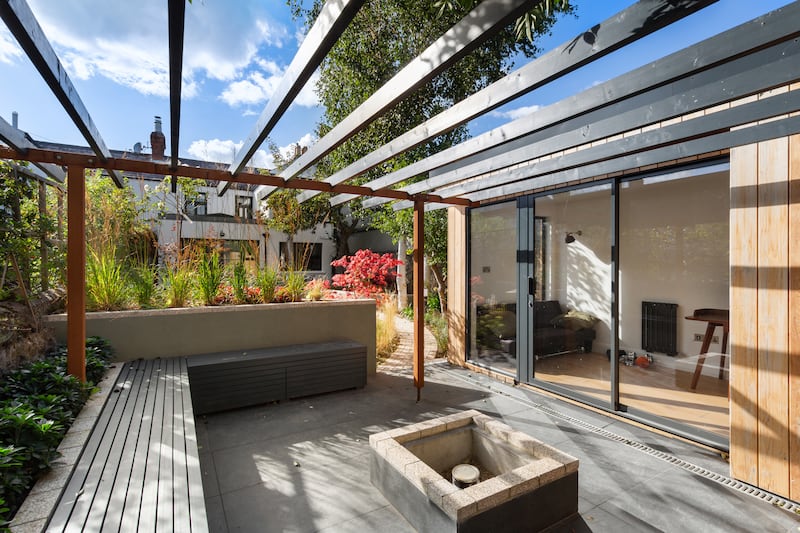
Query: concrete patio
x=303, y=465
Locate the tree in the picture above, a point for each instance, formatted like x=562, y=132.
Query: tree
x=383, y=37
x=287, y=215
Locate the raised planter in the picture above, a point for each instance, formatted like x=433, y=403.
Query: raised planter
x=189, y=331
x=524, y=484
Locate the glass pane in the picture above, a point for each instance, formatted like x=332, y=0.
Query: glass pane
x=493, y=286
x=674, y=261
x=571, y=312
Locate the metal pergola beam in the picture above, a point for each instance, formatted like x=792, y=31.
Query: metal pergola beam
x=706, y=145
x=487, y=18
x=331, y=22
x=757, y=72
x=777, y=26
x=674, y=134
x=17, y=140
x=25, y=28
x=175, y=20
x=629, y=25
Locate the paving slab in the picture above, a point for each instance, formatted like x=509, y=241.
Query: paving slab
x=303, y=465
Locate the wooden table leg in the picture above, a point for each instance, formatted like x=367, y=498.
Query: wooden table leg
x=724, y=349
x=702, y=357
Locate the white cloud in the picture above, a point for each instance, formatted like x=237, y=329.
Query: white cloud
x=223, y=151
x=257, y=87
x=514, y=114
x=128, y=42
x=9, y=49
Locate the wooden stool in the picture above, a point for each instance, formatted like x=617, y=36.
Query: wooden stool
x=713, y=318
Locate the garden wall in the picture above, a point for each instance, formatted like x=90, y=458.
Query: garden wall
x=155, y=333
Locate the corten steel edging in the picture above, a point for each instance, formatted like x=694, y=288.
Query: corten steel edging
x=486, y=19
x=772, y=28
x=38, y=155
x=176, y=20
x=627, y=26
x=21, y=22
x=315, y=46
x=76, y=272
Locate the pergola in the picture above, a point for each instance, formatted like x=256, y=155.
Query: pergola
x=550, y=147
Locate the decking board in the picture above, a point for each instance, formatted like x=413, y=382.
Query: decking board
x=139, y=470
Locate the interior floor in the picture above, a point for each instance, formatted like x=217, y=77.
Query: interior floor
x=662, y=389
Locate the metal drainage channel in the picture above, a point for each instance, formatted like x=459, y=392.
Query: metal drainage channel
x=732, y=484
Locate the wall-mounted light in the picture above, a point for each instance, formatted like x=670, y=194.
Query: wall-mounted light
x=221, y=233
x=570, y=238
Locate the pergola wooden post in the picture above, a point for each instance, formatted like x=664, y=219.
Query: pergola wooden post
x=419, y=296
x=76, y=272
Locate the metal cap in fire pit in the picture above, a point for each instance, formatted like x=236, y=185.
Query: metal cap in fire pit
x=465, y=475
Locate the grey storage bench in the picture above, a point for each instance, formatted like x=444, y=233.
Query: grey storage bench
x=230, y=380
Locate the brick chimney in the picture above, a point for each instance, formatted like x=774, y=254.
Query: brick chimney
x=158, y=143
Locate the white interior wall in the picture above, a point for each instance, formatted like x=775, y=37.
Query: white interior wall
x=578, y=274
x=674, y=248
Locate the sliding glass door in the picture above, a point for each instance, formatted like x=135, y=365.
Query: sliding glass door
x=570, y=308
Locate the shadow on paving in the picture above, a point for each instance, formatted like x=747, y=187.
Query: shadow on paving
x=303, y=465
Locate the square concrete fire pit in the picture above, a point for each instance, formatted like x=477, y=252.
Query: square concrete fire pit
x=525, y=485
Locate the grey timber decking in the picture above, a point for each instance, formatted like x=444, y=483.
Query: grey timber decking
x=230, y=380
x=139, y=469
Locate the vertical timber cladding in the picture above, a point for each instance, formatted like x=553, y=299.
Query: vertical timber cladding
x=765, y=315
x=457, y=284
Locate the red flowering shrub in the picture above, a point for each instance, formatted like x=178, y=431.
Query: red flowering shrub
x=226, y=296
x=367, y=274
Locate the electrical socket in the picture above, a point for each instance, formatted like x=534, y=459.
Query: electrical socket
x=715, y=339
x=698, y=337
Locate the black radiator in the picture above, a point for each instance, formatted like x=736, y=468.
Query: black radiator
x=660, y=327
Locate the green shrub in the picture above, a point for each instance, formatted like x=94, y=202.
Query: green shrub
x=267, y=282
x=407, y=312
x=239, y=282
x=209, y=277
x=179, y=282
x=437, y=323
x=106, y=287
x=294, y=285
x=143, y=285
x=38, y=403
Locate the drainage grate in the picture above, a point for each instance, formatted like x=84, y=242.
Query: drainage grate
x=726, y=481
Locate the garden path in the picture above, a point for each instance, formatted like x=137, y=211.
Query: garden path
x=401, y=360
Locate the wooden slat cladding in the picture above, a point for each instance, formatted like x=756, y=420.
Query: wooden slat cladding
x=456, y=283
x=765, y=315
x=794, y=317
x=773, y=331
x=743, y=308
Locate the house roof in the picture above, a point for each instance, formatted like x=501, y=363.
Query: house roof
x=681, y=107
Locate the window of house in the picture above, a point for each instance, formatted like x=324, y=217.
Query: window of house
x=307, y=256
x=197, y=206
x=244, y=207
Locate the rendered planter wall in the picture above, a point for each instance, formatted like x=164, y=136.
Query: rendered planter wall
x=155, y=333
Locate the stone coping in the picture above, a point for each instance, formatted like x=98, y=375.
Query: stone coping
x=212, y=309
x=43, y=497
x=546, y=464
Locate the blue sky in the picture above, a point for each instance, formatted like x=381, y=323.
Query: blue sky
x=116, y=55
